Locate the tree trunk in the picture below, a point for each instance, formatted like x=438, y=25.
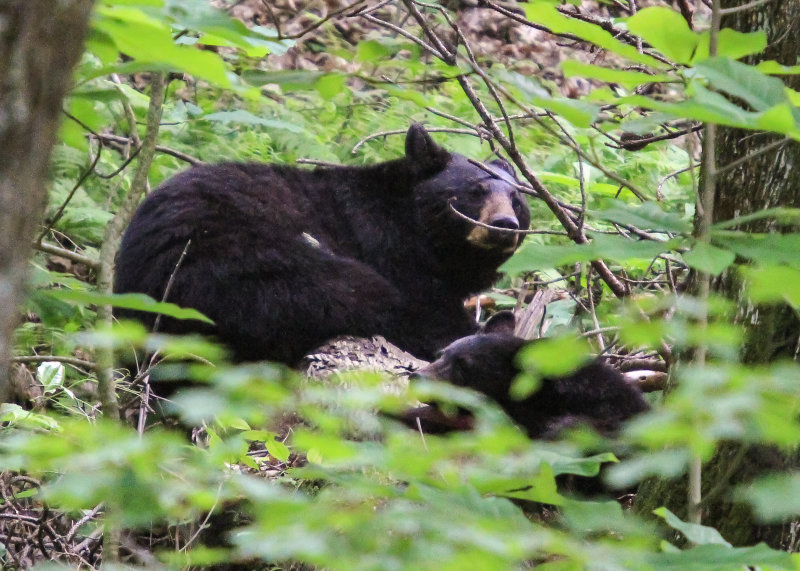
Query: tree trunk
x=764, y=181
x=40, y=42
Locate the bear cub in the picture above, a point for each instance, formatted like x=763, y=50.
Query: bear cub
x=595, y=393
x=283, y=259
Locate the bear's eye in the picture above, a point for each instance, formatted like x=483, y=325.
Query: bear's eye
x=478, y=191
x=461, y=365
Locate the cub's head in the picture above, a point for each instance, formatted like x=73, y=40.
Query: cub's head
x=485, y=361
x=467, y=208
x=594, y=393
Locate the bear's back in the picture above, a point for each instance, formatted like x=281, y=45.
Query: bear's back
x=283, y=259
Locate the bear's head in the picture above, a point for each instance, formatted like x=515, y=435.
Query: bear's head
x=472, y=211
x=487, y=362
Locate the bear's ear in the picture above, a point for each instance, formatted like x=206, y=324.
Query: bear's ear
x=500, y=322
x=503, y=165
x=420, y=148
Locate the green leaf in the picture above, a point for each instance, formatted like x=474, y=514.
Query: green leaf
x=628, y=79
x=288, y=80
x=135, y=301
x=773, y=283
x=331, y=85
x=72, y=134
x=715, y=556
x=219, y=29
x=554, y=357
x=743, y=81
x=774, y=498
x=782, y=118
x=149, y=41
x=667, y=31
x=419, y=99
x=647, y=216
x=15, y=415
x=708, y=258
x=51, y=375
x=532, y=257
x=541, y=488
x=707, y=107
x=247, y=118
x=578, y=112
x=667, y=463
x=563, y=464
x=591, y=517
x=598, y=188
x=774, y=68
x=104, y=95
x=780, y=214
x=711, y=107
x=371, y=51
x=697, y=534
x=762, y=248
x=132, y=2
x=732, y=44
x=277, y=449
x=547, y=15
x=621, y=249
x=102, y=45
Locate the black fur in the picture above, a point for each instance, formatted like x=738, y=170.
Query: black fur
x=283, y=259
x=487, y=362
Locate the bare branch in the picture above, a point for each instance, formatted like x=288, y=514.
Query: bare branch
x=119, y=140
x=743, y=7
x=60, y=212
x=74, y=361
x=473, y=132
x=113, y=236
x=68, y=254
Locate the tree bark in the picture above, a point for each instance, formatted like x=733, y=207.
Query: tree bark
x=40, y=42
x=764, y=181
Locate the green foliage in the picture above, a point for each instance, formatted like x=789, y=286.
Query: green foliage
x=372, y=494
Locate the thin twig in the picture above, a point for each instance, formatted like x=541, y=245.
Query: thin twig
x=743, y=7
x=159, y=148
x=408, y=35
x=473, y=132
x=60, y=212
x=170, y=281
x=68, y=254
x=754, y=154
x=74, y=361
x=448, y=53
x=500, y=229
x=77, y=525
x=313, y=26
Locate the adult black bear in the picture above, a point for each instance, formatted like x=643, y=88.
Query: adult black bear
x=283, y=259
x=487, y=362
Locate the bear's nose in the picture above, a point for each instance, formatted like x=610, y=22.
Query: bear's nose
x=505, y=222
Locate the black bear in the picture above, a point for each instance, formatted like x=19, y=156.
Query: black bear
x=283, y=259
x=595, y=393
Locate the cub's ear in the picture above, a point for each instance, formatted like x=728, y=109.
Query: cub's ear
x=419, y=145
x=503, y=165
x=500, y=322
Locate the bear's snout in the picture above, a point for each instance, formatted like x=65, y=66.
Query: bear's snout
x=507, y=222
x=501, y=236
